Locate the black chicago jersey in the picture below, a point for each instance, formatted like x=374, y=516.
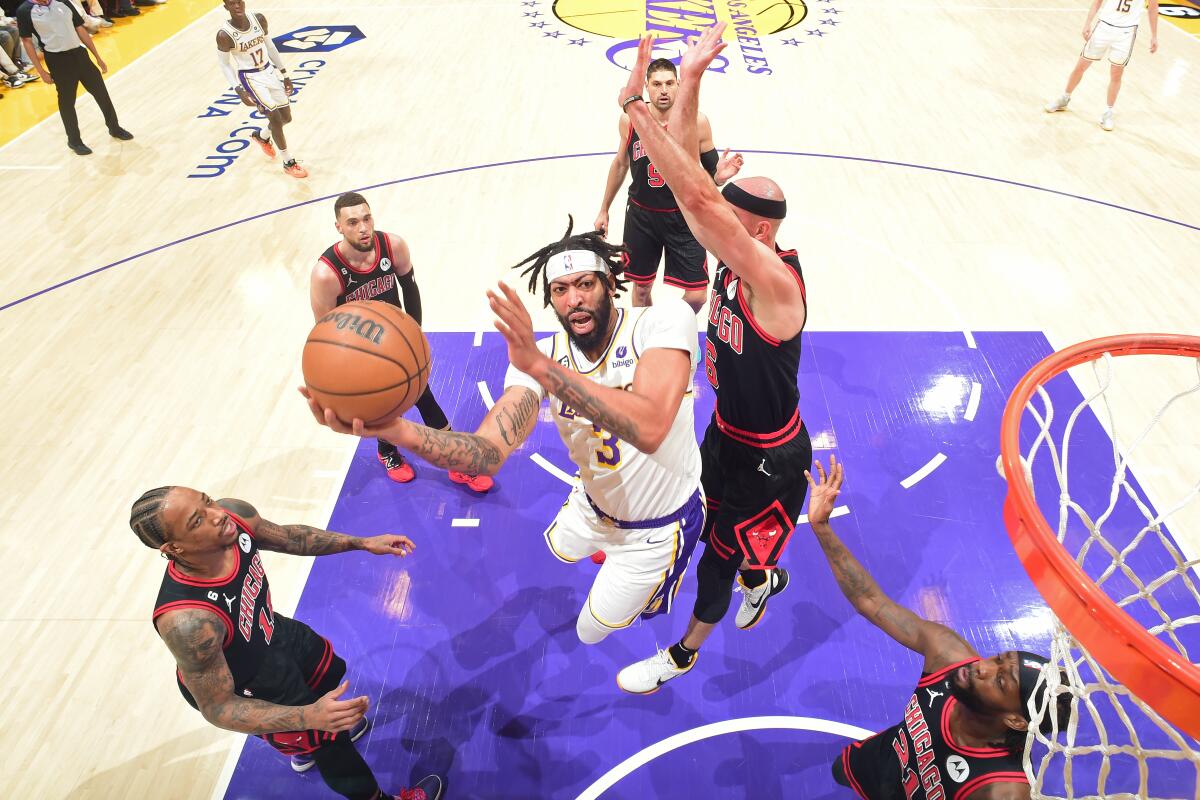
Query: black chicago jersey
x=377, y=283
x=918, y=759
x=647, y=189
x=242, y=601
x=752, y=372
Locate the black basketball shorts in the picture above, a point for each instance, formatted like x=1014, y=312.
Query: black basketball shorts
x=648, y=233
x=755, y=495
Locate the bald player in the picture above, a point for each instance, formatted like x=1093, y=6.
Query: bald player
x=756, y=448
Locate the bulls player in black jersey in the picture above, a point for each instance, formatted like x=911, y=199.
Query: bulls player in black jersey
x=964, y=726
x=756, y=447
x=372, y=265
x=245, y=667
x=653, y=222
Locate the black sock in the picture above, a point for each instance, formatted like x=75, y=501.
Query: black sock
x=386, y=448
x=754, y=578
x=682, y=655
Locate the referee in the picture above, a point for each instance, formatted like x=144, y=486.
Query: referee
x=60, y=34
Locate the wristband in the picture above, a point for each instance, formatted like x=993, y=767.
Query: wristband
x=628, y=100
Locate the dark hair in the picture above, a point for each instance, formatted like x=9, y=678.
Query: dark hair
x=615, y=255
x=661, y=65
x=348, y=200
x=1014, y=740
x=146, y=517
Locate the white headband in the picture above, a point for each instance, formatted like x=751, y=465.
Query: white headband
x=570, y=262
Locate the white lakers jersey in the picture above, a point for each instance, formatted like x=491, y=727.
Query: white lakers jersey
x=1121, y=13
x=250, y=46
x=623, y=482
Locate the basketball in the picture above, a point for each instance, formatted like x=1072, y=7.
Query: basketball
x=366, y=360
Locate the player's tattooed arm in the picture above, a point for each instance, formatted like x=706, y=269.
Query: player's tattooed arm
x=195, y=638
x=939, y=644
x=297, y=540
x=589, y=401
x=504, y=429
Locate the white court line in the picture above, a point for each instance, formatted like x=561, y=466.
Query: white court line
x=237, y=741
x=478, y=340
x=645, y=756
x=464, y=522
x=838, y=511
x=486, y=394
x=553, y=470
x=970, y=337
x=973, y=402
x=923, y=472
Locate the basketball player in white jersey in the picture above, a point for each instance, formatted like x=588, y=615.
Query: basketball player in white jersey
x=244, y=49
x=1112, y=34
x=620, y=386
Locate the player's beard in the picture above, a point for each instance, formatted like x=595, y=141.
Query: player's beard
x=594, y=338
x=364, y=248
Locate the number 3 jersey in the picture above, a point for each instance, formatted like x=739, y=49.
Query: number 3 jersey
x=241, y=599
x=623, y=482
x=919, y=758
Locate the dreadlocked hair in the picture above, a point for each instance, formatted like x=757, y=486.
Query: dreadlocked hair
x=146, y=517
x=616, y=256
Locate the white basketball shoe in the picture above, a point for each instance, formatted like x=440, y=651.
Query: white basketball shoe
x=1106, y=119
x=754, y=601
x=1058, y=103
x=649, y=674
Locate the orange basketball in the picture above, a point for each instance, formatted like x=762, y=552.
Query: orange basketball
x=366, y=360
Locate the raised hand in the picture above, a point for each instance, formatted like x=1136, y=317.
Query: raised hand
x=821, y=494
x=389, y=545
x=701, y=52
x=514, y=323
x=324, y=416
x=728, y=166
x=637, y=75
x=334, y=715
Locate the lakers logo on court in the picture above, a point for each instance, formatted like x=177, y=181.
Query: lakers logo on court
x=616, y=25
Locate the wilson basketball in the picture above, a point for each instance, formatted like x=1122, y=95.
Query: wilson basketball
x=366, y=360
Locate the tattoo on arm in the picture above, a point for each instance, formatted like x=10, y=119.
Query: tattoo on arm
x=580, y=394
x=195, y=639
x=513, y=424
x=303, y=540
x=854, y=581
x=463, y=452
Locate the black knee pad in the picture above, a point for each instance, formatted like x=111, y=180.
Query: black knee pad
x=714, y=579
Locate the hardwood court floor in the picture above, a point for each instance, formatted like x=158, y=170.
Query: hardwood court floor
x=927, y=191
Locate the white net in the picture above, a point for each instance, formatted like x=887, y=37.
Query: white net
x=1080, y=470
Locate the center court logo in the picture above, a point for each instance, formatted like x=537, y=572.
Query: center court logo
x=318, y=39
x=754, y=26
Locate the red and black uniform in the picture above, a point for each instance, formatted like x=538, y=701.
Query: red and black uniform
x=271, y=657
x=756, y=448
x=380, y=283
x=919, y=759
x=653, y=222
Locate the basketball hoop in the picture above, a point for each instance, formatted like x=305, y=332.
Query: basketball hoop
x=1096, y=636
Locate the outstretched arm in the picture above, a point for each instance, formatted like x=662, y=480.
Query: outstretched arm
x=937, y=643
x=303, y=540
x=502, y=431
x=195, y=638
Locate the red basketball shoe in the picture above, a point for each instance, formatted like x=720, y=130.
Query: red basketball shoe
x=598, y=557
x=428, y=788
x=267, y=148
x=476, y=483
x=397, y=468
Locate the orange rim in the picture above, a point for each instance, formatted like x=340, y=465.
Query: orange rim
x=1156, y=673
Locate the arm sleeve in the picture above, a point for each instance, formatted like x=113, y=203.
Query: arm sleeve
x=227, y=68
x=670, y=324
x=411, y=295
x=709, y=160
x=514, y=376
x=273, y=54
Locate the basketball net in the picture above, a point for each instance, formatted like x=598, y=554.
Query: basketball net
x=1115, y=745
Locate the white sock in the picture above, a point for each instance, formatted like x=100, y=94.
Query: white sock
x=1108, y=109
x=285, y=156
